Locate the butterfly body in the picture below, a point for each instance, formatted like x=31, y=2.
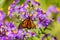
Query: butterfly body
x=27, y=23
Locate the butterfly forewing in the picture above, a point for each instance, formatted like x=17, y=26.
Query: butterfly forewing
x=30, y=24
x=23, y=24
x=27, y=23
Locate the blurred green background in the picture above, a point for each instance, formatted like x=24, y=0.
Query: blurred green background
x=44, y=5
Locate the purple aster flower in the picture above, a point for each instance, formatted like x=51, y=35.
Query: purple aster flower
x=37, y=3
x=20, y=33
x=32, y=34
x=1, y=24
x=25, y=5
x=58, y=19
x=39, y=25
x=33, y=15
x=0, y=38
x=20, y=9
x=13, y=4
x=55, y=38
x=4, y=38
x=10, y=25
x=28, y=0
x=2, y=15
x=51, y=9
x=24, y=15
x=41, y=13
x=17, y=8
x=47, y=35
x=17, y=1
x=45, y=22
x=11, y=9
x=11, y=12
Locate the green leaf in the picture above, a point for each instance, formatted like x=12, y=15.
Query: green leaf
x=6, y=5
x=1, y=3
x=21, y=2
x=46, y=3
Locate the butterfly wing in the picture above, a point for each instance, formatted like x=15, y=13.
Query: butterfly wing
x=27, y=23
x=30, y=24
x=23, y=24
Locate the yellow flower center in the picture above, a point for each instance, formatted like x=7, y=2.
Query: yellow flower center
x=1, y=8
x=58, y=9
x=37, y=0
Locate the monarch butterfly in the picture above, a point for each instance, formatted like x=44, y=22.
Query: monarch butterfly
x=27, y=23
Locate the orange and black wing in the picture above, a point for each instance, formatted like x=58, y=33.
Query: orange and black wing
x=23, y=24
x=30, y=24
x=27, y=23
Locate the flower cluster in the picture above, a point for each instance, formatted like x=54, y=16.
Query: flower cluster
x=9, y=31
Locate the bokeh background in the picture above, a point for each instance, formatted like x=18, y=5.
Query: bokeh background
x=55, y=27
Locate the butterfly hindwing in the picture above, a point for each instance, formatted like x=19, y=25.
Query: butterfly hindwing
x=23, y=24
x=30, y=24
x=27, y=23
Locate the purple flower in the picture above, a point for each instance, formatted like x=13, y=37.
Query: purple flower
x=41, y=13
x=47, y=35
x=58, y=19
x=2, y=15
x=1, y=24
x=54, y=38
x=20, y=33
x=17, y=8
x=37, y=3
x=11, y=9
x=39, y=25
x=32, y=34
x=10, y=25
x=51, y=9
x=45, y=22
x=20, y=9
x=25, y=5
x=24, y=15
x=17, y=1
x=13, y=4
x=11, y=12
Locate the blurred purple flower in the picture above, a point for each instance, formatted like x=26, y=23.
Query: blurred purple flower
x=54, y=38
x=20, y=9
x=45, y=22
x=1, y=24
x=11, y=11
x=47, y=35
x=25, y=5
x=41, y=13
x=17, y=1
x=11, y=8
x=51, y=9
x=10, y=25
x=32, y=34
x=36, y=2
x=2, y=15
x=39, y=25
x=17, y=8
x=58, y=19
x=13, y=4
x=24, y=15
